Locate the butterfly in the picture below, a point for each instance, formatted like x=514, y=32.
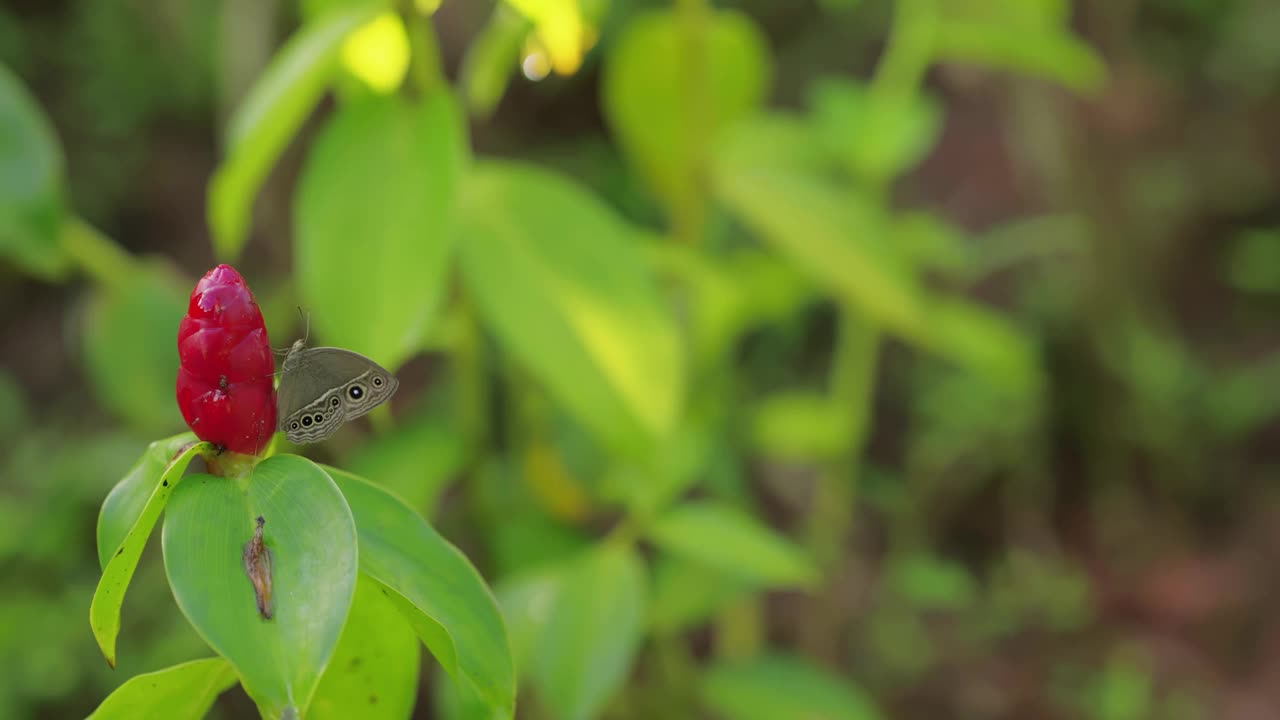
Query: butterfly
x=322, y=388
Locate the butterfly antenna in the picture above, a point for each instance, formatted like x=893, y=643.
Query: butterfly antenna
x=306, y=323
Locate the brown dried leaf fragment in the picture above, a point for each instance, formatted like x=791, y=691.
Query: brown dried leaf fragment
x=257, y=565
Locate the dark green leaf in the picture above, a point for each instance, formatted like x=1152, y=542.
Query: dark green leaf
x=31, y=201
x=877, y=136
x=374, y=218
x=269, y=117
x=104, y=613
x=646, y=96
x=311, y=536
x=589, y=642
x=782, y=688
x=563, y=284
x=374, y=671
x=686, y=592
x=176, y=693
x=731, y=540
x=436, y=588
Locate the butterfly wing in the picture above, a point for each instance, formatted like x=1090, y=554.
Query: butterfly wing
x=313, y=379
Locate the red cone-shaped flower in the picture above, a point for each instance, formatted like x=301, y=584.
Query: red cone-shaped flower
x=225, y=388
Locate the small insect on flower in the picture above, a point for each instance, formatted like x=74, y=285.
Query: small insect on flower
x=257, y=565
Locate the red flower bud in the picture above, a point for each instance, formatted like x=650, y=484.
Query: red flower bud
x=225, y=388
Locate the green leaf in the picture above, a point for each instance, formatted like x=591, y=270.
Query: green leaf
x=491, y=58
x=31, y=202
x=182, y=691
x=374, y=671
x=269, y=117
x=1050, y=53
x=686, y=593
x=878, y=136
x=117, y=571
x=526, y=600
x=802, y=426
x=562, y=283
x=782, y=688
x=730, y=540
x=126, y=500
x=374, y=216
x=415, y=461
x=587, y=647
x=312, y=539
x=987, y=343
x=837, y=238
x=130, y=341
x=437, y=589
x=646, y=99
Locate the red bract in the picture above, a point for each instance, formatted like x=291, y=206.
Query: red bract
x=225, y=388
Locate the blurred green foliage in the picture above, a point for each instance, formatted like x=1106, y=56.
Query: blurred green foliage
x=849, y=359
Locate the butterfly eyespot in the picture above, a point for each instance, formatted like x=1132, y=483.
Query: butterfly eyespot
x=356, y=392
x=293, y=426
x=319, y=418
x=377, y=382
x=306, y=421
x=335, y=401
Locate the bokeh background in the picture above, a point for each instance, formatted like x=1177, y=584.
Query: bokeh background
x=1047, y=492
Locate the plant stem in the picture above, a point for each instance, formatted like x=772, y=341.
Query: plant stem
x=424, y=65
x=909, y=51
x=96, y=254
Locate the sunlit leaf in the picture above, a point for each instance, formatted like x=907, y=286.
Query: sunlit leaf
x=585, y=650
x=374, y=218
x=117, y=571
x=562, y=283
x=374, y=671
x=731, y=540
x=269, y=117
x=436, y=589
x=311, y=536
x=646, y=100
x=130, y=347
x=559, y=25
x=782, y=688
x=31, y=180
x=176, y=693
x=838, y=238
x=378, y=52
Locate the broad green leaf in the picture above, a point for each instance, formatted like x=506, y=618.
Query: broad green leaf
x=31, y=202
x=378, y=53
x=586, y=649
x=526, y=601
x=877, y=136
x=374, y=218
x=731, y=540
x=436, y=588
x=987, y=343
x=415, y=461
x=1051, y=53
x=648, y=101
x=126, y=500
x=492, y=57
x=686, y=592
x=836, y=237
x=312, y=539
x=374, y=671
x=117, y=571
x=130, y=331
x=562, y=283
x=269, y=117
x=175, y=693
x=782, y=688
x=932, y=583
x=801, y=425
